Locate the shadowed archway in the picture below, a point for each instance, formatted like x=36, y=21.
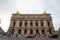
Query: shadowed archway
x=31, y=31
x=19, y=31
x=12, y=31
x=37, y=31
x=43, y=32
x=25, y=31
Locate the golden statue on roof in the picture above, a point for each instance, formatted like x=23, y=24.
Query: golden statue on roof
x=17, y=12
x=44, y=12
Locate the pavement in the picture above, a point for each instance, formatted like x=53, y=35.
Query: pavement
x=23, y=38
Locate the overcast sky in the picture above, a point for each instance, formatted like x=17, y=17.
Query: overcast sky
x=7, y=7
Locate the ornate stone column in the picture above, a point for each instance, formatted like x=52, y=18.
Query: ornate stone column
x=33, y=23
x=34, y=31
x=22, y=31
x=39, y=23
x=40, y=31
x=23, y=23
x=17, y=23
x=28, y=24
x=45, y=23
x=28, y=31
x=45, y=27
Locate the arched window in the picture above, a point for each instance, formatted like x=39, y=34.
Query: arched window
x=42, y=23
x=31, y=31
x=50, y=31
x=37, y=31
x=48, y=23
x=26, y=23
x=19, y=31
x=12, y=31
x=14, y=23
x=25, y=31
x=36, y=23
x=43, y=31
x=20, y=23
x=31, y=23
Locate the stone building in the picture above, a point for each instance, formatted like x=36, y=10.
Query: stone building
x=59, y=32
x=1, y=31
x=24, y=24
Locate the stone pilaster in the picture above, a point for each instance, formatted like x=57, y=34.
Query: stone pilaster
x=28, y=24
x=28, y=31
x=17, y=23
x=34, y=24
x=46, y=30
x=45, y=23
x=34, y=31
x=22, y=31
x=40, y=32
x=23, y=23
x=39, y=23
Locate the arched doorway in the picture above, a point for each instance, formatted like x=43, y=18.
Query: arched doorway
x=19, y=31
x=37, y=31
x=43, y=31
x=50, y=31
x=31, y=31
x=25, y=31
x=12, y=31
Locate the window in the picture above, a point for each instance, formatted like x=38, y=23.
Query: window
x=31, y=24
x=12, y=31
x=19, y=31
x=37, y=31
x=43, y=31
x=14, y=23
x=20, y=24
x=41, y=23
x=50, y=31
x=25, y=23
x=48, y=23
x=25, y=31
x=36, y=23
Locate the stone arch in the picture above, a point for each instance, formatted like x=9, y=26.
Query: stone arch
x=48, y=23
x=25, y=31
x=37, y=31
x=14, y=23
x=50, y=31
x=19, y=31
x=31, y=23
x=43, y=32
x=12, y=31
x=36, y=23
x=31, y=31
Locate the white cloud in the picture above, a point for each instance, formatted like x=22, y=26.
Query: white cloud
x=56, y=23
x=55, y=3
